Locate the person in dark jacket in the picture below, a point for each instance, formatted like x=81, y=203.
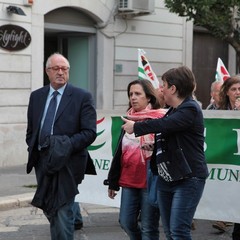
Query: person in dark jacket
x=178, y=155
x=59, y=109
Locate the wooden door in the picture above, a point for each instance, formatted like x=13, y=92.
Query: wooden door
x=206, y=51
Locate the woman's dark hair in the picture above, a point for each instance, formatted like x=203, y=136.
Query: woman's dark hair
x=148, y=89
x=182, y=78
x=223, y=97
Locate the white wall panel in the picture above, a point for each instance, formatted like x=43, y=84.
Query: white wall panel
x=15, y=97
x=120, y=98
x=15, y=63
x=161, y=15
x=15, y=80
x=13, y=114
x=150, y=28
x=159, y=55
x=13, y=142
x=130, y=71
x=149, y=41
x=121, y=82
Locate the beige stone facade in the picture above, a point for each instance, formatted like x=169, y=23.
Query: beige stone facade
x=112, y=40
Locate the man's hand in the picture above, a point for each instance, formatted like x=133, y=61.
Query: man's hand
x=128, y=125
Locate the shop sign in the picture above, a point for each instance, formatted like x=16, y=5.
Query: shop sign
x=14, y=38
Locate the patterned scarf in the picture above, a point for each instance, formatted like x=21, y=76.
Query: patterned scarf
x=147, y=113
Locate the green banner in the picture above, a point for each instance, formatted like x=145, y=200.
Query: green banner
x=222, y=149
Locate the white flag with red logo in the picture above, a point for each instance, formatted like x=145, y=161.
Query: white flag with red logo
x=221, y=73
x=145, y=71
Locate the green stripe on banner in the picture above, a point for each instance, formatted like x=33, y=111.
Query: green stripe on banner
x=117, y=123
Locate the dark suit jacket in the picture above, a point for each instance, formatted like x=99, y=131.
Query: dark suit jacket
x=57, y=185
x=185, y=122
x=75, y=117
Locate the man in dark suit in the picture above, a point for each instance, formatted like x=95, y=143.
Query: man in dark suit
x=75, y=123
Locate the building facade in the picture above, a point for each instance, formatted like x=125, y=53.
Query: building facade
x=101, y=44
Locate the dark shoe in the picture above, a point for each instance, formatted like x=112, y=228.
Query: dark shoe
x=221, y=226
x=78, y=226
x=193, y=226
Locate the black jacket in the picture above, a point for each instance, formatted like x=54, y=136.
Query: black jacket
x=186, y=121
x=57, y=185
x=115, y=169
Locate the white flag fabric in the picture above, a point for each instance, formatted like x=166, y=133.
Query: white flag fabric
x=221, y=72
x=145, y=71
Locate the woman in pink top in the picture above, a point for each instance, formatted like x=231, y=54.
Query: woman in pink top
x=129, y=166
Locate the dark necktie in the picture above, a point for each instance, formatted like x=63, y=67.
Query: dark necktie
x=48, y=121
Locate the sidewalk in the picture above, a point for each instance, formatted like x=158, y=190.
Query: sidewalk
x=16, y=188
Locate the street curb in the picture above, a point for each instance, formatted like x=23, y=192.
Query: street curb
x=15, y=201
x=24, y=200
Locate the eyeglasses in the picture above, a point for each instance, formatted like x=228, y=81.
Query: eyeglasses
x=56, y=69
